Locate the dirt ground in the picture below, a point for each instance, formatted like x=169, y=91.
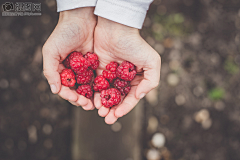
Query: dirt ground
x=196, y=107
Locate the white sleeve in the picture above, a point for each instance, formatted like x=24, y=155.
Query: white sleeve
x=63, y=5
x=128, y=12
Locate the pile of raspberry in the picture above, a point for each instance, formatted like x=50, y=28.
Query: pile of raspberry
x=114, y=81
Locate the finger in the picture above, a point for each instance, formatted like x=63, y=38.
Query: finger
x=74, y=103
x=50, y=68
x=85, y=103
x=136, y=80
x=97, y=100
x=68, y=94
x=111, y=118
x=128, y=103
x=103, y=111
x=151, y=77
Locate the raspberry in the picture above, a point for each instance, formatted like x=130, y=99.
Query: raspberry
x=112, y=66
x=84, y=77
x=66, y=62
x=68, y=78
x=78, y=63
x=110, y=74
x=93, y=60
x=123, y=86
x=110, y=97
x=100, y=83
x=126, y=71
x=85, y=90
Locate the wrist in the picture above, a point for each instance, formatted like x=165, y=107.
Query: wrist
x=116, y=28
x=84, y=14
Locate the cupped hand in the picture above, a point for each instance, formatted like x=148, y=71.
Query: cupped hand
x=74, y=32
x=117, y=42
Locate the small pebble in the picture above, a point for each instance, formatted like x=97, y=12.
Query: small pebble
x=45, y=19
x=219, y=105
x=202, y=115
x=172, y=79
x=157, y=28
x=180, y=100
x=168, y=43
x=4, y=84
x=32, y=134
x=207, y=124
x=152, y=124
x=175, y=54
x=153, y=154
x=47, y=129
x=198, y=91
x=147, y=22
x=150, y=41
x=158, y=140
x=174, y=64
x=48, y=143
x=50, y=3
x=44, y=112
x=9, y=143
x=161, y=9
x=159, y=48
x=116, y=127
x=152, y=96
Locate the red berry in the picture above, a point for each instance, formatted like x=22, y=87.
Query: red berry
x=78, y=63
x=93, y=60
x=85, y=90
x=123, y=86
x=110, y=74
x=110, y=97
x=68, y=78
x=100, y=83
x=66, y=62
x=126, y=71
x=112, y=66
x=84, y=77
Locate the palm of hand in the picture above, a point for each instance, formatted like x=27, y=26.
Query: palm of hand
x=118, y=48
x=69, y=35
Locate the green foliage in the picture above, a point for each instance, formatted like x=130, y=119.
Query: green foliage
x=169, y=25
x=230, y=66
x=216, y=93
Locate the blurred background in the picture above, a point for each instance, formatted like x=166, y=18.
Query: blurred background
x=194, y=114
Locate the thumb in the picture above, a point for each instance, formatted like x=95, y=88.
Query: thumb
x=151, y=77
x=50, y=68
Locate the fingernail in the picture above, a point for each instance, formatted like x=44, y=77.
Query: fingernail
x=53, y=88
x=142, y=95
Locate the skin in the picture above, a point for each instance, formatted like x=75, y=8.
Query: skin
x=74, y=32
x=117, y=42
x=78, y=30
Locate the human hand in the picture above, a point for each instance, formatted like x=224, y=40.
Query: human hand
x=117, y=42
x=74, y=32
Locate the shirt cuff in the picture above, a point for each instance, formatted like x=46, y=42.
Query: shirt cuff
x=123, y=11
x=63, y=5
